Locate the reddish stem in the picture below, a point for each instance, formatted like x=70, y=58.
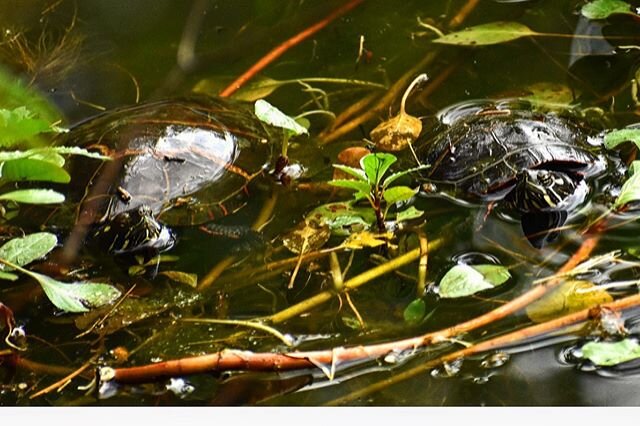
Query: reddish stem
x=286, y=45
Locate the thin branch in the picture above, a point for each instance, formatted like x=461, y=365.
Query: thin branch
x=286, y=45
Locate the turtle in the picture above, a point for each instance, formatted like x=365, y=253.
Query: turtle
x=537, y=164
x=174, y=162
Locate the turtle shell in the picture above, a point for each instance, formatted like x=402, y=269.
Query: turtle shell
x=480, y=155
x=187, y=160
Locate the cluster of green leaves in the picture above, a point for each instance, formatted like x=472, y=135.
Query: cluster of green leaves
x=371, y=184
x=25, y=117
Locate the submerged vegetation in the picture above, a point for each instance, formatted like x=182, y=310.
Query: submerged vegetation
x=333, y=259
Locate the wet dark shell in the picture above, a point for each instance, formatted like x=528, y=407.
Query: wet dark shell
x=480, y=155
x=188, y=160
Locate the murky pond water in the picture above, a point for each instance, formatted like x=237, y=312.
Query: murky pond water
x=345, y=79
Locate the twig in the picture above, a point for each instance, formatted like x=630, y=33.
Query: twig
x=65, y=380
x=286, y=45
x=491, y=344
x=252, y=324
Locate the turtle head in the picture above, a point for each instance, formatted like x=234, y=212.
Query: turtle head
x=538, y=190
x=134, y=231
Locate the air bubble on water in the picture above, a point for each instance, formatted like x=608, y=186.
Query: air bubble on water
x=481, y=380
x=180, y=387
x=495, y=360
x=156, y=359
x=448, y=369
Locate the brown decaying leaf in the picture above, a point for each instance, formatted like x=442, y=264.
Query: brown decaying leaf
x=306, y=237
x=396, y=133
x=349, y=157
x=400, y=131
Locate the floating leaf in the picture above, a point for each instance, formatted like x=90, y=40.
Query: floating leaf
x=486, y=34
x=396, y=133
x=602, y=9
x=20, y=125
x=306, y=237
x=342, y=218
x=182, y=277
x=616, y=137
x=73, y=297
x=415, y=311
x=76, y=297
x=397, y=194
x=273, y=116
x=24, y=250
x=550, y=95
x=569, y=297
x=399, y=132
x=607, y=354
x=465, y=280
x=33, y=196
x=495, y=274
x=133, y=309
x=33, y=170
x=364, y=239
x=376, y=165
x=630, y=191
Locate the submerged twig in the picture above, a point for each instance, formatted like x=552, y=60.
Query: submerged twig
x=286, y=45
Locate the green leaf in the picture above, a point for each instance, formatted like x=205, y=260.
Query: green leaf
x=358, y=173
x=50, y=154
x=74, y=150
x=342, y=218
x=630, y=191
x=554, y=96
x=486, y=34
x=76, y=297
x=415, y=311
x=362, y=239
x=33, y=170
x=398, y=193
x=356, y=185
x=182, y=277
x=33, y=196
x=569, y=297
x=408, y=214
x=616, y=137
x=376, y=165
x=395, y=176
x=464, y=280
x=611, y=353
x=602, y=9
x=273, y=116
x=20, y=125
x=24, y=250
x=495, y=274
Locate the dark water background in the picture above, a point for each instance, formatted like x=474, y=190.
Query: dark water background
x=124, y=44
